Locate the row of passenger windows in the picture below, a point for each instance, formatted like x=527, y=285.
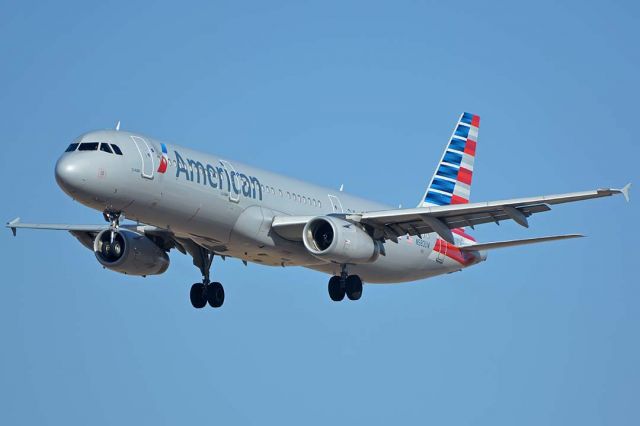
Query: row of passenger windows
x=291, y=196
x=95, y=146
x=297, y=197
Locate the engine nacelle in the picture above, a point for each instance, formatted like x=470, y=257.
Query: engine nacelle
x=337, y=240
x=130, y=253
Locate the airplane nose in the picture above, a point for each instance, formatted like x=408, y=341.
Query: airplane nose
x=69, y=175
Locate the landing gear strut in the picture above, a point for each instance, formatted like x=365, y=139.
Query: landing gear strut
x=113, y=217
x=112, y=249
x=206, y=291
x=345, y=284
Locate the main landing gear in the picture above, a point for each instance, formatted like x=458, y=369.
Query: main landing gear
x=206, y=291
x=345, y=284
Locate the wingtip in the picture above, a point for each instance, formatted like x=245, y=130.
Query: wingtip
x=569, y=236
x=14, y=221
x=625, y=191
x=13, y=228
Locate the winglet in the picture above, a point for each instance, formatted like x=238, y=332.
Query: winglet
x=625, y=191
x=13, y=222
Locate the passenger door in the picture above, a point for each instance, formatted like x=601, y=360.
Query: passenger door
x=336, y=205
x=146, y=156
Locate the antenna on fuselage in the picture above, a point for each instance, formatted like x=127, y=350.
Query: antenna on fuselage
x=341, y=187
x=118, y=126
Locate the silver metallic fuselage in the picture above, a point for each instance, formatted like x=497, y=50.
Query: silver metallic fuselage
x=227, y=206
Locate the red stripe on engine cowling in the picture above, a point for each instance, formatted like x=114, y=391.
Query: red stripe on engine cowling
x=464, y=175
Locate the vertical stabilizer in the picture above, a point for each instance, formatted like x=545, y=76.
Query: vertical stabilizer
x=451, y=182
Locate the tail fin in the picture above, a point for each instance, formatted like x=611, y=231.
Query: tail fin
x=451, y=183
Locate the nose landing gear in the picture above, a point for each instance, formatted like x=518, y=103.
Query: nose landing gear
x=113, y=217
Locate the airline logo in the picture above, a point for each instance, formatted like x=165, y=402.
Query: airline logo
x=164, y=161
x=452, y=181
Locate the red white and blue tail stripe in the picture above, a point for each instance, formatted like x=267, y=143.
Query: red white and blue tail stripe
x=451, y=183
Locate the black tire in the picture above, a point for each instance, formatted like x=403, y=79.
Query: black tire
x=354, y=287
x=197, y=296
x=336, y=289
x=215, y=295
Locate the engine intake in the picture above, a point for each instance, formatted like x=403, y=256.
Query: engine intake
x=336, y=240
x=130, y=253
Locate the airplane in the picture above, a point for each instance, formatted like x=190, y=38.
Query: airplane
x=206, y=206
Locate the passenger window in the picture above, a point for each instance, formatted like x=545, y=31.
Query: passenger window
x=116, y=149
x=71, y=147
x=88, y=146
x=105, y=148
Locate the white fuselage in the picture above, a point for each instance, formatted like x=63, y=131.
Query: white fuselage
x=228, y=207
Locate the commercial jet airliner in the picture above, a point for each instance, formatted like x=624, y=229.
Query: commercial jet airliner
x=206, y=206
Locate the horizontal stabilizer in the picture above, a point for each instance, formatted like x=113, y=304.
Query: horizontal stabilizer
x=625, y=191
x=512, y=243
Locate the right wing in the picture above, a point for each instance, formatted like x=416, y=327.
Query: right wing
x=392, y=224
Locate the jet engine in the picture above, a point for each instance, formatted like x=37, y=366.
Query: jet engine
x=129, y=252
x=339, y=241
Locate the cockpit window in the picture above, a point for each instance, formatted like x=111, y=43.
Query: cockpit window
x=116, y=149
x=88, y=146
x=106, y=148
x=72, y=147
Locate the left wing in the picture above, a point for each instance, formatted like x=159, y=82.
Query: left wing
x=15, y=224
x=198, y=247
x=391, y=224
x=87, y=233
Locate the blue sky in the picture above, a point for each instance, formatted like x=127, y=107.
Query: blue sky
x=363, y=94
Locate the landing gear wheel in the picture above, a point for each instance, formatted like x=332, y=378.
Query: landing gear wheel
x=353, y=287
x=336, y=289
x=215, y=295
x=112, y=250
x=198, y=299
